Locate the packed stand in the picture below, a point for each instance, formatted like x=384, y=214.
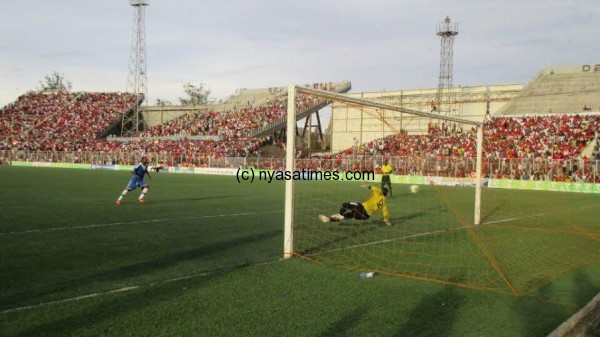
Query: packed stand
x=237, y=122
x=556, y=137
x=233, y=123
x=596, y=152
x=526, y=148
x=238, y=147
x=231, y=126
x=59, y=121
x=54, y=122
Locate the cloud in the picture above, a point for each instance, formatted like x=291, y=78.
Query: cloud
x=65, y=55
x=376, y=44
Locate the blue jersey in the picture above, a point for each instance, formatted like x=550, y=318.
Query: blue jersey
x=140, y=170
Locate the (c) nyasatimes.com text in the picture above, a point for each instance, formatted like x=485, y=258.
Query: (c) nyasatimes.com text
x=250, y=174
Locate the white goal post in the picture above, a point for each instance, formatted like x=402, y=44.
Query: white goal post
x=291, y=149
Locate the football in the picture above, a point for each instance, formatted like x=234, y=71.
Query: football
x=414, y=188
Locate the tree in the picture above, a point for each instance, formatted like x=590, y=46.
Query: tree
x=163, y=102
x=55, y=82
x=196, y=94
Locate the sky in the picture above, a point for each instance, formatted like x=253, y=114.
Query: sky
x=231, y=44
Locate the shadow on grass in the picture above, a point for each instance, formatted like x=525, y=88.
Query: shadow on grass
x=346, y=323
x=328, y=244
x=136, y=269
x=408, y=217
x=436, y=209
x=493, y=211
x=539, y=317
x=434, y=315
x=89, y=320
x=359, y=227
x=584, y=288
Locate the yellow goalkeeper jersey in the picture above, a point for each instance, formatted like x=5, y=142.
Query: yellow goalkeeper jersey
x=376, y=202
x=386, y=169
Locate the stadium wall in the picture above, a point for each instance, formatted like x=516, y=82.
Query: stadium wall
x=351, y=126
x=156, y=115
x=159, y=114
x=552, y=90
x=559, y=90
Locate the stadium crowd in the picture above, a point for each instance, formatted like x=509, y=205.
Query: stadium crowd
x=596, y=153
x=59, y=121
x=231, y=123
x=557, y=137
x=72, y=121
x=229, y=147
x=528, y=148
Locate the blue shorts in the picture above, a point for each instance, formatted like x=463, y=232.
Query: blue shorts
x=136, y=182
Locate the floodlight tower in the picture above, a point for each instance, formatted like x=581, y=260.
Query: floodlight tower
x=446, y=30
x=137, y=80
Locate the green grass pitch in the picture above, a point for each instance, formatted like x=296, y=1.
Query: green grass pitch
x=202, y=258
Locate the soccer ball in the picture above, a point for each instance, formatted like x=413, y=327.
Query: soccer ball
x=414, y=188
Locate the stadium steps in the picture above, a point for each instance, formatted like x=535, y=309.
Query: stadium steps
x=115, y=127
x=527, y=90
x=253, y=97
x=589, y=148
x=282, y=123
x=557, y=93
x=157, y=115
x=272, y=151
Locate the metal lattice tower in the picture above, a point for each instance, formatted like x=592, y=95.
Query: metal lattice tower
x=446, y=30
x=137, y=80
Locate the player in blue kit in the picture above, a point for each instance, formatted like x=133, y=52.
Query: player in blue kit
x=137, y=180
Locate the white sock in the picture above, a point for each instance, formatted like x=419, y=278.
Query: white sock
x=144, y=191
x=122, y=194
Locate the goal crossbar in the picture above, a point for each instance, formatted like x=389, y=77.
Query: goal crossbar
x=288, y=244
x=351, y=100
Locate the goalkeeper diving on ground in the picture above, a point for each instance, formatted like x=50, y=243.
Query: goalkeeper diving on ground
x=364, y=210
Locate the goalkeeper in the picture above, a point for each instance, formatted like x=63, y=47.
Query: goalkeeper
x=363, y=211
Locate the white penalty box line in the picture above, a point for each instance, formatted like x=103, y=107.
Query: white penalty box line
x=535, y=215
x=134, y=287
x=44, y=230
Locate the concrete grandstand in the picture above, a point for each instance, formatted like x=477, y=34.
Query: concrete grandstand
x=240, y=125
x=574, y=89
x=63, y=122
x=559, y=90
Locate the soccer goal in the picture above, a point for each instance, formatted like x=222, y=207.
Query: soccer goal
x=428, y=233
x=430, y=222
